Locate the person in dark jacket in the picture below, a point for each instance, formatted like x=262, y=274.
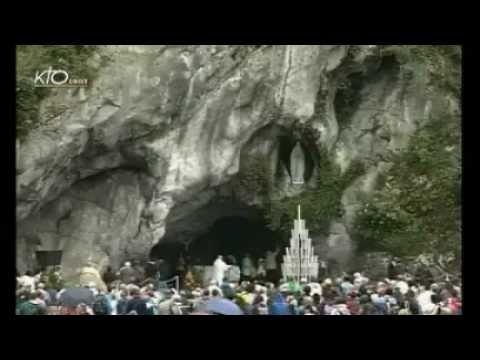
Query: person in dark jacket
x=139, y=271
x=109, y=276
x=122, y=304
x=228, y=291
x=392, y=269
x=152, y=269
x=127, y=274
x=137, y=303
x=366, y=307
x=414, y=307
x=34, y=306
x=317, y=303
x=259, y=306
x=102, y=305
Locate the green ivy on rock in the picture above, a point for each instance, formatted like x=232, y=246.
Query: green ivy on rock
x=418, y=209
x=319, y=206
x=254, y=178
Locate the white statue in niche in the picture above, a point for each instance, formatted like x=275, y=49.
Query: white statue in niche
x=297, y=165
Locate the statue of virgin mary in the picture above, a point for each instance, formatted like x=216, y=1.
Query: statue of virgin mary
x=297, y=165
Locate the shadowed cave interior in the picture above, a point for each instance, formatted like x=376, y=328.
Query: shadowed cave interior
x=229, y=235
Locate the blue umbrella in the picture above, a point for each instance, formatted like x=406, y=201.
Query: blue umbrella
x=75, y=296
x=223, y=307
x=279, y=306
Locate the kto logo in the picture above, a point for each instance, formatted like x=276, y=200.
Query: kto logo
x=57, y=78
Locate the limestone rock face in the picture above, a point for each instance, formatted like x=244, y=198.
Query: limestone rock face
x=163, y=128
x=97, y=219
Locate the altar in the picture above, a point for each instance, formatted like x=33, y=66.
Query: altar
x=204, y=274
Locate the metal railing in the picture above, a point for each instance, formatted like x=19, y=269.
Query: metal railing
x=165, y=284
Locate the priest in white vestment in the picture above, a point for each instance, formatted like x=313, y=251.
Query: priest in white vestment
x=219, y=269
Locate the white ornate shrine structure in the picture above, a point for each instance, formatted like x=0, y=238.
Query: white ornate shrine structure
x=300, y=263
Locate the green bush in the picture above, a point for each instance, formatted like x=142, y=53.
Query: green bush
x=254, y=177
x=419, y=207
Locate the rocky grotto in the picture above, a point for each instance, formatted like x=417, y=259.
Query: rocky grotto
x=171, y=143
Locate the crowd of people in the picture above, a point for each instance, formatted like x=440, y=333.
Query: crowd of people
x=256, y=290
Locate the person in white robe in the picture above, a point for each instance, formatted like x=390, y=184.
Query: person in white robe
x=219, y=269
x=27, y=281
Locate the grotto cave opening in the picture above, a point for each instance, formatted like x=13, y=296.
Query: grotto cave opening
x=234, y=235
x=226, y=228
